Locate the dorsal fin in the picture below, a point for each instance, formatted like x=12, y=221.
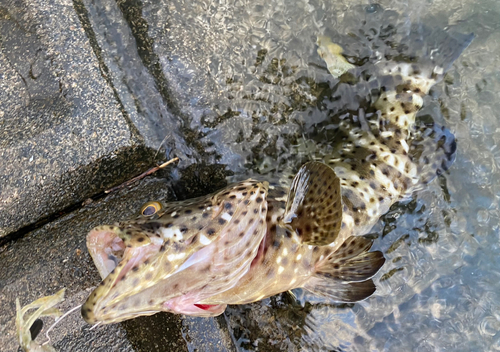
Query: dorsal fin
x=314, y=206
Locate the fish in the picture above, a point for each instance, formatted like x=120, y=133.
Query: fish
x=257, y=238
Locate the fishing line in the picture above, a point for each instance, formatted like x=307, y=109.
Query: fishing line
x=95, y=325
x=57, y=322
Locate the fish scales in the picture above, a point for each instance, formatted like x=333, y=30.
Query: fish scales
x=252, y=240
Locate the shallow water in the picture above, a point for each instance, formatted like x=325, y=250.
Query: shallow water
x=254, y=95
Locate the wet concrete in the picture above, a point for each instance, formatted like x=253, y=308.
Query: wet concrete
x=63, y=135
x=55, y=256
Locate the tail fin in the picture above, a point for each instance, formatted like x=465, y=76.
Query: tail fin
x=433, y=151
x=440, y=48
x=346, y=275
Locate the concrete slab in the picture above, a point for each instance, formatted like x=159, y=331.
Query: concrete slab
x=59, y=122
x=68, y=128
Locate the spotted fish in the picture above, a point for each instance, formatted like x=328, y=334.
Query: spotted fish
x=254, y=239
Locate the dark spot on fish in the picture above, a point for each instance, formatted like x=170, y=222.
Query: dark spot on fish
x=259, y=199
x=221, y=221
x=246, y=202
x=255, y=211
x=135, y=268
x=210, y=232
x=250, y=221
x=176, y=286
x=244, y=213
x=232, y=197
x=241, y=234
x=205, y=215
x=237, y=221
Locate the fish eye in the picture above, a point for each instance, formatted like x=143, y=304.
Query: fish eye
x=150, y=208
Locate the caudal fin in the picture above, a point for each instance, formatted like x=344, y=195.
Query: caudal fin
x=346, y=274
x=437, y=47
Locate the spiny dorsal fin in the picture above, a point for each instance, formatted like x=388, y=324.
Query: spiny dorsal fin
x=314, y=206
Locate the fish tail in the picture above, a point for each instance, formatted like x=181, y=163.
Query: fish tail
x=346, y=274
x=403, y=85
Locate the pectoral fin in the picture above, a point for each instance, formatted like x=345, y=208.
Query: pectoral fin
x=346, y=275
x=314, y=207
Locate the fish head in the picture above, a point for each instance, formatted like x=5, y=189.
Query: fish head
x=172, y=255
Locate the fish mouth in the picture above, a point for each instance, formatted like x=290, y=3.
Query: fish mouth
x=117, y=257
x=114, y=258
x=106, y=248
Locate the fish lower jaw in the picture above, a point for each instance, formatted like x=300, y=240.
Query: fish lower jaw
x=179, y=306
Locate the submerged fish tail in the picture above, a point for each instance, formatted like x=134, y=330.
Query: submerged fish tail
x=379, y=157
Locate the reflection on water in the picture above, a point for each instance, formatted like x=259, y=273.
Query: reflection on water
x=254, y=95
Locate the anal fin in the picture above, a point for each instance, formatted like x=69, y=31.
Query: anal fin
x=314, y=206
x=346, y=274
